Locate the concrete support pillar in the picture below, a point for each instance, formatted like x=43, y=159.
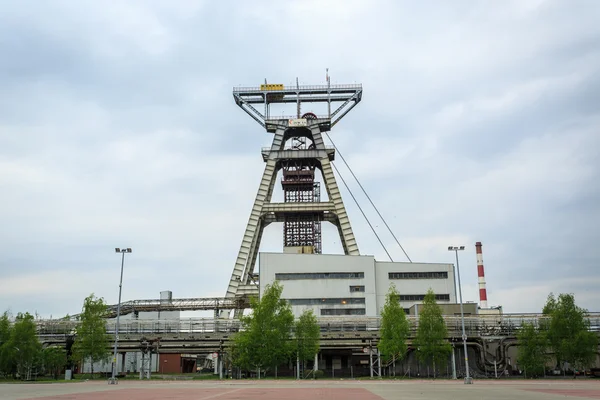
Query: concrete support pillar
x=142, y=367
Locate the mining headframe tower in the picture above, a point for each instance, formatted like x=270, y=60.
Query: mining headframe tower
x=297, y=150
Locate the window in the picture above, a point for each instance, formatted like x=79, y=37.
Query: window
x=319, y=275
x=343, y=311
x=357, y=288
x=420, y=297
x=326, y=301
x=418, y=275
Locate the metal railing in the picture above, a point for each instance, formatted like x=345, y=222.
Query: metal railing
x=320, y=118
x=268, y=149
x=300, y=88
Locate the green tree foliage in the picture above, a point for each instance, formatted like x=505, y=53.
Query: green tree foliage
x=430, y=341
x=54, y=359
x=395, y=328
x=6, y=361
x=92, y=343
x=307, y=334
x=568, y=332
x=23, y=346
x=533, y=346
x=265, y=339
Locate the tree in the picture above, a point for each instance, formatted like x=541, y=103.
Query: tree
x=532, y=351
x=307, y=335
x=23, y=346
x=569, y=332
x=394, y=329
x=54, y=359
x=430, y=340
x=6, y=361
x=92, y=342
x=265, y=338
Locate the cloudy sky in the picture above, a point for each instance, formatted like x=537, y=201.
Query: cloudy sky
x=479, y=122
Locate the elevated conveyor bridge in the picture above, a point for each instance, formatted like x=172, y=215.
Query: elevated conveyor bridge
x=480, y=326
x=489, y=338
x=184, y=304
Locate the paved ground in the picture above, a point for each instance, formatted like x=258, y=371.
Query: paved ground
x=312, y=390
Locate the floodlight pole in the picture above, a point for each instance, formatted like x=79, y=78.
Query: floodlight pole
x=468, y=379
x=113, y=380
x=454, y=347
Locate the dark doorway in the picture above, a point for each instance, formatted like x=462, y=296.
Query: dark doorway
x=188, y=365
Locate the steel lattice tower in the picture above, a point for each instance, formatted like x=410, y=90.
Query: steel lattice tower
x=298, y=151
x=299, y=186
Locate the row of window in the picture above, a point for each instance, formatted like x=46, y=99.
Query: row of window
x=359, y=300
x=360, y=275
x=412, y=297
x=418, y=275
x=350, y=311
x=343, y=311
x=319, y=275
x=308, y=302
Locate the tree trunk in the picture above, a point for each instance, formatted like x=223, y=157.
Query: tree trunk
x=303, y=369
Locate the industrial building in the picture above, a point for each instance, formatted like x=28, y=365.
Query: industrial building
x=340, y=285
x=350, y=284
x=332, y=285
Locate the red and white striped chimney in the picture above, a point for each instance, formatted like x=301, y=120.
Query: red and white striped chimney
x=481, y=276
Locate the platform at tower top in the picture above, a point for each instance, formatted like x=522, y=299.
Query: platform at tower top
x=247, y=98
x=289, y=94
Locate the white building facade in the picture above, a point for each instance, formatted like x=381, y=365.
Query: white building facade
x=339, y=285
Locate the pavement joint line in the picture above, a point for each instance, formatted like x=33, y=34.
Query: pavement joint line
x=214, y=396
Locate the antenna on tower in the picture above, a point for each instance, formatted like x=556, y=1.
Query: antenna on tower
x=328, y=93
x=298, y=100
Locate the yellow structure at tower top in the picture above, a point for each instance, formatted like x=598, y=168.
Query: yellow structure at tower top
x=271, y=86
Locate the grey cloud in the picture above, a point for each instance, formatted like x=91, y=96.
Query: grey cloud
x=117, y=128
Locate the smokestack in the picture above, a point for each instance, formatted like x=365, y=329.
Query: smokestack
x=481, y=276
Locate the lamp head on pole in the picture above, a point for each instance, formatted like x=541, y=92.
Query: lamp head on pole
x=455, y=248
